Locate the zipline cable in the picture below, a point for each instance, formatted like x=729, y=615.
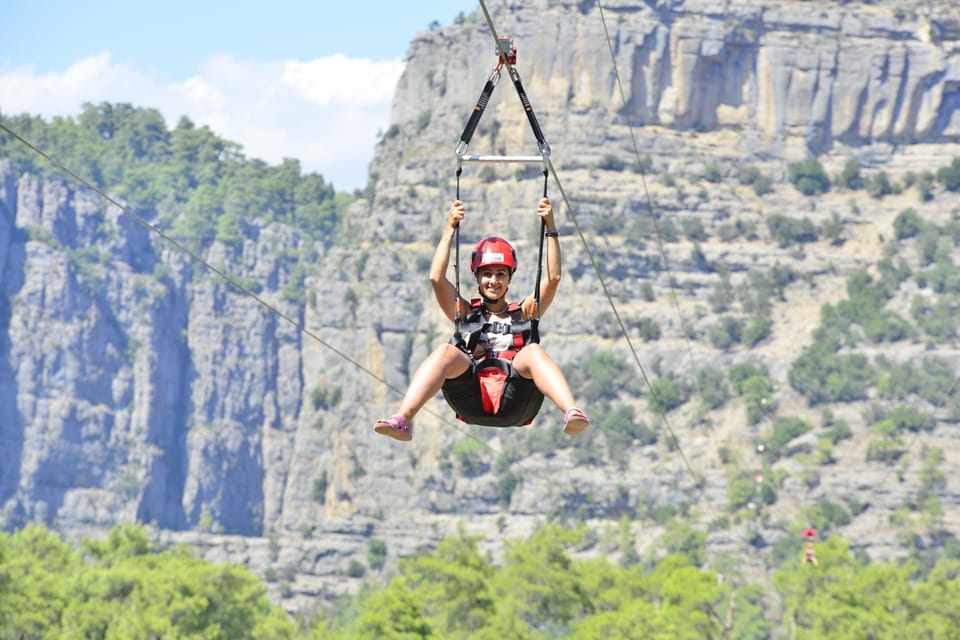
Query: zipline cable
x=220, y=273
x=193, y=255
x=674, y=297
x=675, y=441
x=663, y=255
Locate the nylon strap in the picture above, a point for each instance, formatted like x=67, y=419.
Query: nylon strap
x=465, y=138
x=456, y=266
x=541, y=142
x=479, y=108
x=535, y=320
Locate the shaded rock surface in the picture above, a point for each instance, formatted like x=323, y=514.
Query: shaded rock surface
x=135, y=386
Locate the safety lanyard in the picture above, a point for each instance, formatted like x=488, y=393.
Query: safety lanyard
x=507, y=55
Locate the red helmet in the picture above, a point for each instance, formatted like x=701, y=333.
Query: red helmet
x=493, y=251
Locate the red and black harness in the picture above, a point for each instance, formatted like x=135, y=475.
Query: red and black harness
x=492, y=369
x=474, y=324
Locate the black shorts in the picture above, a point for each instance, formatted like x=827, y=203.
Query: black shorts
x=519, y=404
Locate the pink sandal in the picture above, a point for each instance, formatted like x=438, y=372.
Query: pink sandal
x=394, y=427
x=575, y=421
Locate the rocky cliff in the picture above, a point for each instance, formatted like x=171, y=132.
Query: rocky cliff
x=135, y=385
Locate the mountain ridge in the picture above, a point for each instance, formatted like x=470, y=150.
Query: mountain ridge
x=227, y=429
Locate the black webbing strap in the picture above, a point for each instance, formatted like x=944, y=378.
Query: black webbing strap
x=465, y=137
x=456, y=268
x=535, y=320
x=541, y=142
x=484, y=99
x=479, y=108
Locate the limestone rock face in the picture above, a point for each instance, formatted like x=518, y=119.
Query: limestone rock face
x=137, y=385
x=823, y=72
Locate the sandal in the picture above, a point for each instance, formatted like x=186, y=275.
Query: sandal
x=575, y=421
x=394, y=427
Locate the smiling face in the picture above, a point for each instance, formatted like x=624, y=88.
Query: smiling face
x=493, y=281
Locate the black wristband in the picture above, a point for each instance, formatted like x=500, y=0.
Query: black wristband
x=552, y=234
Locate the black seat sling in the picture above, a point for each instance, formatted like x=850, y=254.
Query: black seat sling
x=493, y=371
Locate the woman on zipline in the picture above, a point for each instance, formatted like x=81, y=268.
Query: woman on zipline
x=491, y=373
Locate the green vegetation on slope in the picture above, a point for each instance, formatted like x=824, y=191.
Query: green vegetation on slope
x=122, y=587
x=186, y=180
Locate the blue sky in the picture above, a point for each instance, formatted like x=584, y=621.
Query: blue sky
x=298, y=79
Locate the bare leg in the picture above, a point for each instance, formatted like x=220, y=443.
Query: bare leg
x=445, y=362
x=533, y=362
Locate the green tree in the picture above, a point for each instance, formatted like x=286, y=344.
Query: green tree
x=541, y=579
x=636, y=619
x=949, y=176
x=681, y=538
x=713, y=386
x=693, y=228
x=909, y=418
x=712, y=173
x=879, y=185
x=748, y=174
x=823, y=375
x=809, y=177
x=687, y=597
x=469, y=457
x=757, y=330
x=726, y=333
x=642, y=165
x=840, y=599
x=603, y=376
x=539, y=591
x=376, y=553
x=667, y=394
x=507, y=483
x=751, y=175
x=850, y=177
x=782, y=431
x=611, y=162
x=789, y=231
x=453, y=586
x=864, y=307
x=122, y=588
x=743, y=371
x=741, y=490
x=925, y=186
x=749, y=607
x=393, y=613
x=620, y=428
x=755, y=386
x=200, y=186
x=35, y=565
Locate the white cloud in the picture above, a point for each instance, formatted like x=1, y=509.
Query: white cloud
x=324, y=112
x=337, y=79
x=92, y=79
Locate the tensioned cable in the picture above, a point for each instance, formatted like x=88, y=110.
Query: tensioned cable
x=636, y=149
x=656, y=225
x=193, y=255
x=219, y=272
x=698, y=479
x=658, y=235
